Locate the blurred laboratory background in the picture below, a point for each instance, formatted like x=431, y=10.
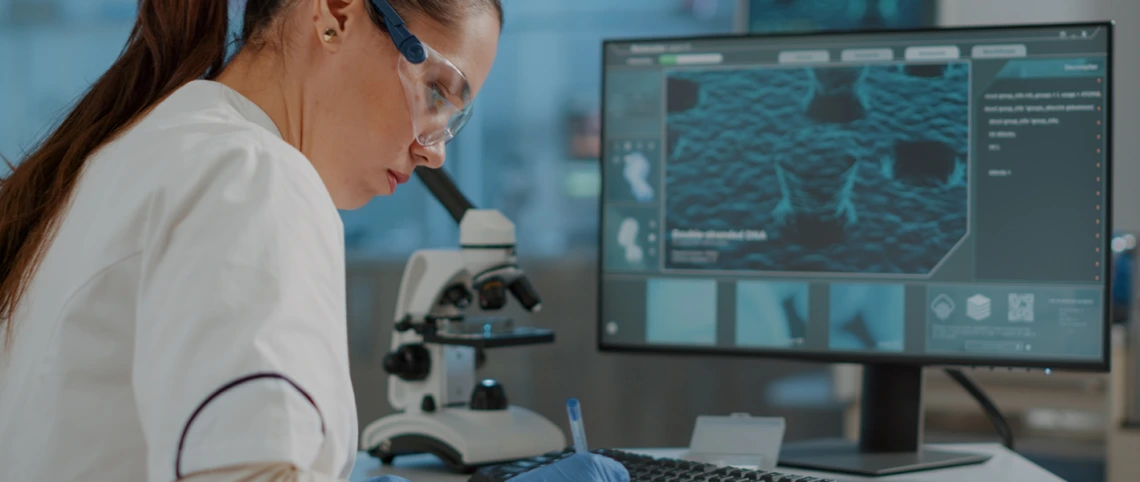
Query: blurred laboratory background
x=531, y=150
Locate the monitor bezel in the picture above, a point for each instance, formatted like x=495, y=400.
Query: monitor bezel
x=1102, y=365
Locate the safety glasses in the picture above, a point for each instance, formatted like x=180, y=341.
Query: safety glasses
x=439, y=97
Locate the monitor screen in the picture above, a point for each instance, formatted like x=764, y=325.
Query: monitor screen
x=921, y=197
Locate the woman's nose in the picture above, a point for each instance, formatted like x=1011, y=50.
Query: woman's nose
x=431, y=156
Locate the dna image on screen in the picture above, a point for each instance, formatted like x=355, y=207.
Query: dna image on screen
x=841, y=169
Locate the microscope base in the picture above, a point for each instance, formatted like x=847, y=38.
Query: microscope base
x=463, y=438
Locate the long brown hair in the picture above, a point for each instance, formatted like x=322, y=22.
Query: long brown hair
x=173, y=43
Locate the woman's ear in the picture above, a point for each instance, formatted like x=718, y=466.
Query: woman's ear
x=335, y=20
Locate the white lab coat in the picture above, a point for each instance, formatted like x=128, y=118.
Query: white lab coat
x=199, y=248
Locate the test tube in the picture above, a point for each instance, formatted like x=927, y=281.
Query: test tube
x=574, y=409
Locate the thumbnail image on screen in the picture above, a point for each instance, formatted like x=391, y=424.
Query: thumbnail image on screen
x=771, y=314
x=633, y=100
x=867, y=317
x=681, y=312
x=631, y=238
x=634, y=171
x=853, y=169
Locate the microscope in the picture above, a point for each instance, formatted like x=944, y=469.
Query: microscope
x=436, y=348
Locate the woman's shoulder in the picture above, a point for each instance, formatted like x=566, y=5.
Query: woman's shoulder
x=201, y=138
x=204, y=120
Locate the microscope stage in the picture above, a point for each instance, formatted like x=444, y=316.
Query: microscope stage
x=518, y=336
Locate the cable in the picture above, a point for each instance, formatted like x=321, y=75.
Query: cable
x=992, y=412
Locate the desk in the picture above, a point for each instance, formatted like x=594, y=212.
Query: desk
x=1005, y=465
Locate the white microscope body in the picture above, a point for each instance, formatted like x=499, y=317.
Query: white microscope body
x=431, y=382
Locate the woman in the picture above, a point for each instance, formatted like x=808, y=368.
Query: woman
x=173, y=300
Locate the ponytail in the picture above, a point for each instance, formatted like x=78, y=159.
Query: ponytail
x=173, y=42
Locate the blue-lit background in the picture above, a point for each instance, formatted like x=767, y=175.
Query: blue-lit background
x=529, y=150
x=768, y=16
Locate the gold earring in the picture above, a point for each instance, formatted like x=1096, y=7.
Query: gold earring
x=329, y=35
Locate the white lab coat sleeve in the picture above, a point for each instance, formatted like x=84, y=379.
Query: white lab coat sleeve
x=268, y=472
x=242, y=279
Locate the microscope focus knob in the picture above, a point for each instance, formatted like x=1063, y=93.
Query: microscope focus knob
x=405, y=324
x=458, y=296
x=410, y=362
x=489, y=395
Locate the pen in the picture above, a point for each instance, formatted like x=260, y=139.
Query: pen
x=576, y=428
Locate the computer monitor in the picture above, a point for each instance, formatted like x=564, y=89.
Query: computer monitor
x=896, y=199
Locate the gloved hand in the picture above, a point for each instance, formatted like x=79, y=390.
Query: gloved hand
x=387, y=478
x=578, y=468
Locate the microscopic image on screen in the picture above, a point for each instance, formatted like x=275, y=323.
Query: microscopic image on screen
x=633, y=168
x=771, y=314
x=631, y=237
x=681, y=312
x=853, y=169
x=866, y=317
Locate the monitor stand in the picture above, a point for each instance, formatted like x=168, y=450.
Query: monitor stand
x=890, y=433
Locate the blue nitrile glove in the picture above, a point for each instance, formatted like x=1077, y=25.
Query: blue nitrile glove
x=387, y=478
x=578, y=468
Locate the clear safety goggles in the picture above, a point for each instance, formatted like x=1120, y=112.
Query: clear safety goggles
x=439, y=97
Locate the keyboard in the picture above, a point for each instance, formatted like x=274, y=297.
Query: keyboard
x=642, y=468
